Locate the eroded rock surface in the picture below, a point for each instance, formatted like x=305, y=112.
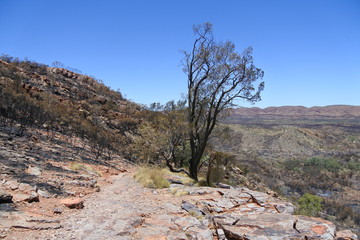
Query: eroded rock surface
x=125, y=210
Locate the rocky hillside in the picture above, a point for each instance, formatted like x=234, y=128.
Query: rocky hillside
x=59, y=100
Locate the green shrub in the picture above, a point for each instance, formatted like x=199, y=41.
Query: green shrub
x=329, y=164
x=151, y=178
x=309, y=205
x=292, y=164
x=353, y=165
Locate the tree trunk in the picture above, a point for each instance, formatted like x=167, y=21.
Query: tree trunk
x=208, y=175
x=193, y=169
x=198, y=144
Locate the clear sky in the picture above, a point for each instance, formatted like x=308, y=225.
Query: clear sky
x=308, y=49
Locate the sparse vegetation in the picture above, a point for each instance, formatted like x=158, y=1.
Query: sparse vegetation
x=151, y=178
x=76, y=166
x=162, y=138
x=179, y=192
x=56, y=99
x=293, y=160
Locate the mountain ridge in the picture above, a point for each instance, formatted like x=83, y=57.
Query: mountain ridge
x=351, y=111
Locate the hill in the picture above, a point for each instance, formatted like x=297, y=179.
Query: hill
x=335, y=114
x=59, y=100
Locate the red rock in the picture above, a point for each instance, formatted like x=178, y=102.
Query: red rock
x=346, y=235
x=156, y=237
x=76, y=203
x=319, y=229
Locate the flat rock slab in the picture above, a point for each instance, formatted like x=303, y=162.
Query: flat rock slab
x=26, y=197
x=275, y=226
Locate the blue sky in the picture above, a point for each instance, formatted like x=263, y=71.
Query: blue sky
x=308, y=49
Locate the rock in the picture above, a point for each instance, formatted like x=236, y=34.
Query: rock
x=285, y=208
x=33, y=197
x=174, y=181
x=259, y=197
x=315, y=227
x=43, y=193
x=247, y=214
x=221, y=234
x=57, y=211
x=192, y=209
x=185, y=223
x=76, y=203
x=25, y=188
x=5, y=197
x=178, y=236
x=199, y=232
x=27, y=197
x=34, y=171
x=272, y=193
x=90, y=183
x=70, y=193
x=275, y=226
x=13, y=185
x=346, y=235
x=223, y=185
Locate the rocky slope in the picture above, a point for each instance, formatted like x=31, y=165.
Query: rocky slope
x=59, y=100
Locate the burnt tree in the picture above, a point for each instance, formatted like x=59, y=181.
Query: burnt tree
x=217, y=77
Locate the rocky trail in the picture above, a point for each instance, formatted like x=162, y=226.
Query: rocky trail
x=123, y=209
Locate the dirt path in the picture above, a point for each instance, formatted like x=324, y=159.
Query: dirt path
x=122, y=209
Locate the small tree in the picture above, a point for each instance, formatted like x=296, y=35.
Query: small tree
x=218, y=163
x=309, y=205
x=217, y=77
x=163, y=136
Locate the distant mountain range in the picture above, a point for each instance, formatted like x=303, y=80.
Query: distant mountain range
x=333, y=112
x=300, y=111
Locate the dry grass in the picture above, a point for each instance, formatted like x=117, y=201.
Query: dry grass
x=182, y=177
x=178, y=192
x=151, y=178
x=83, y=167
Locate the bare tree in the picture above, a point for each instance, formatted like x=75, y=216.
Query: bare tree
x=217, y=77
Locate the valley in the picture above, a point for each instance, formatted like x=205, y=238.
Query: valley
x=293, y=151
